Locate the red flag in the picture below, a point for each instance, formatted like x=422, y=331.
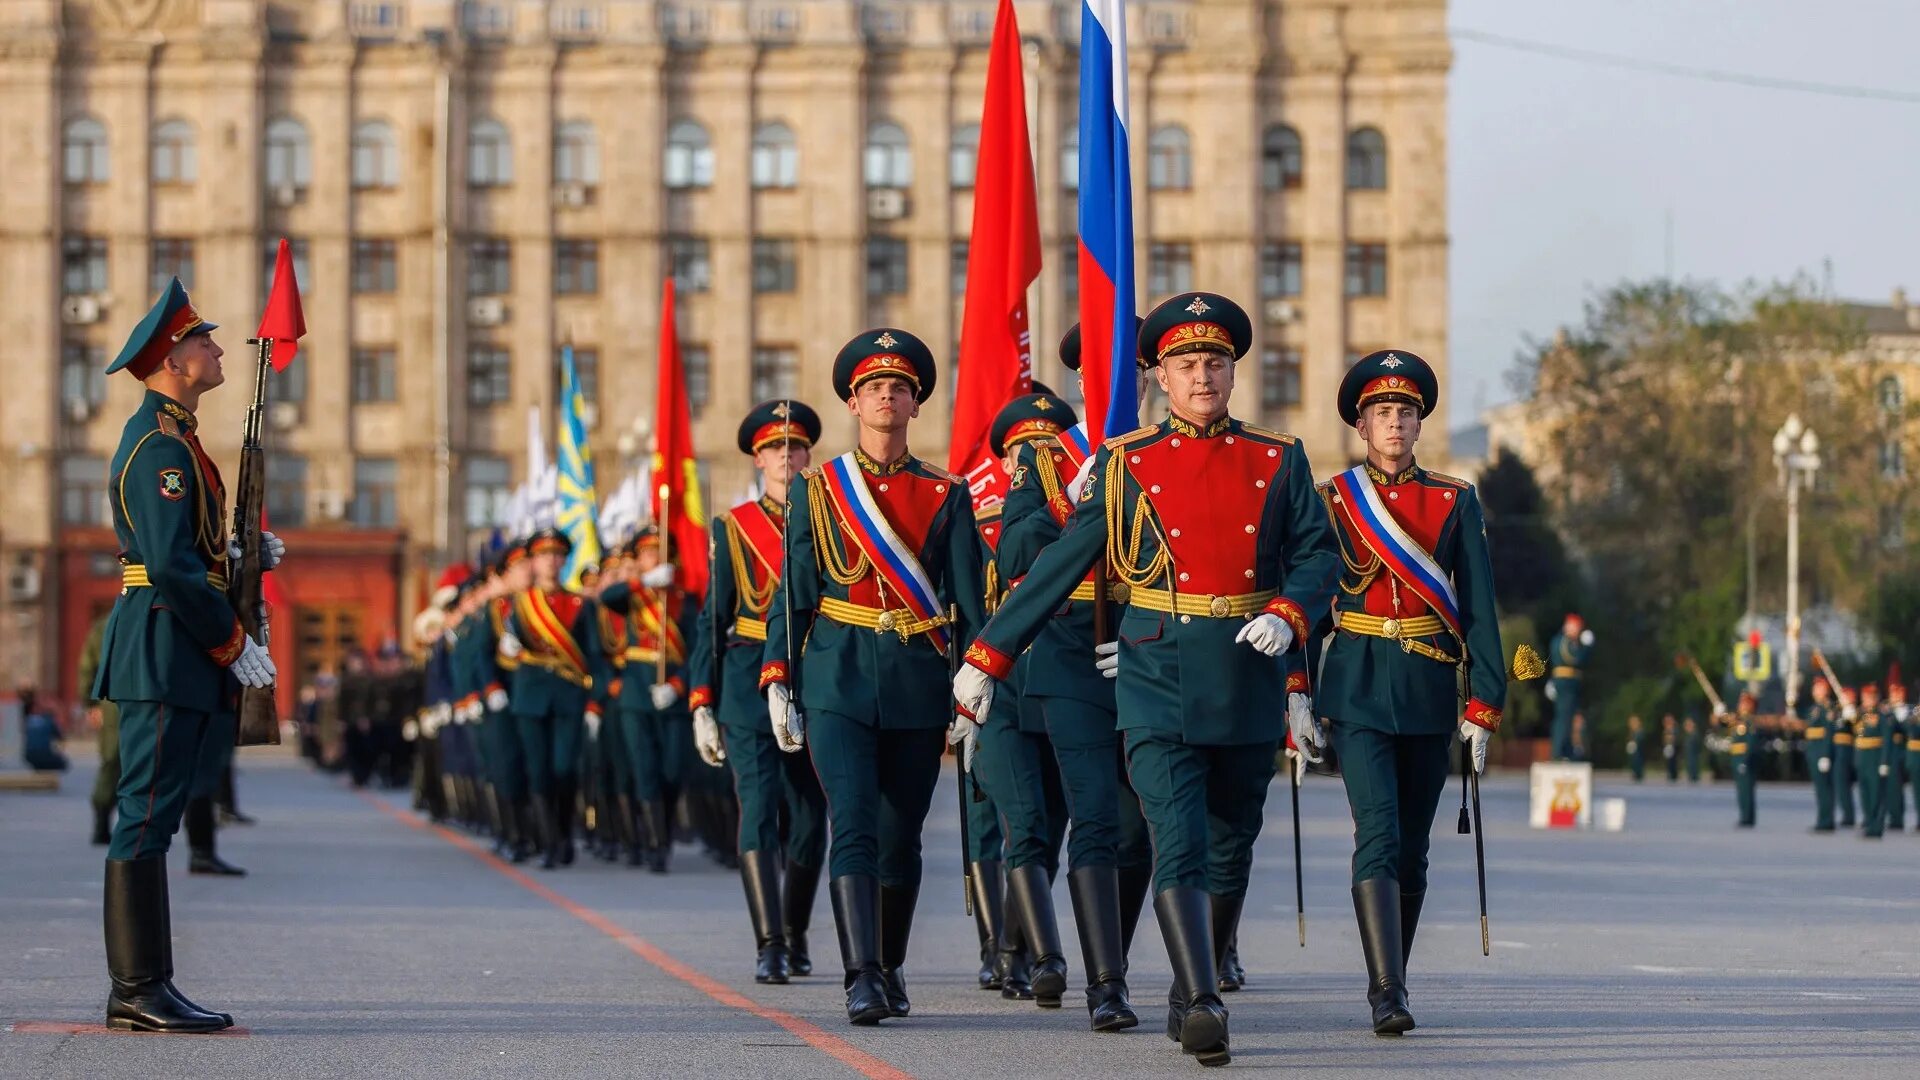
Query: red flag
x=1003, y=259
x=676, y=474
x=283, y=324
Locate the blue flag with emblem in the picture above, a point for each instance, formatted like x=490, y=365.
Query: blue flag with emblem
x=577, y=513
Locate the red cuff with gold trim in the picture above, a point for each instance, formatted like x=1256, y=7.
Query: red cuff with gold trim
x=492, y=686
x=679, y=684
x=773, y=672
x=230, y=650
x=990, y=660
x=593, y=707
x=1481, y=714
x=1295, y=617
x=1297, y=683
x=701, y=698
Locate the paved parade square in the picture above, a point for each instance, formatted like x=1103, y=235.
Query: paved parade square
x=365, y=943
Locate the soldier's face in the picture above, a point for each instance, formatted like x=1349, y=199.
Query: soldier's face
x=1819, y=691
x=884, y=404
x=1390, y=428
x=646, y=558
x=779, y=463
x=1197, y=384
x=197, y=359
x=546, y=567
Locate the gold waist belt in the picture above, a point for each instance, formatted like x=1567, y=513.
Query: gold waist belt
x=1566, y=673
x=1118, y=592
x=1737, y=748
x=880, y=621
x=751, y=629
x=1816, y=733
x=1843, y=738
x=134, y=576
x=1213, y=607
x=645, y=656
x=1403, y=631
x=558, y=668
x=1869, y=742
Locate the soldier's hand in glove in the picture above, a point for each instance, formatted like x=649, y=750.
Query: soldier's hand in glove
x=1108, y=659
x=973, y=690
x=1268, y=633
x=1308, y=736
x=272, y=550
x=964, y=735
x=1883, y=770
x=593, y=723
x=789, y=727
x=497, y=700
x=706, y=736
x=410, y=730
x=510, y=646
x=253, y=667
x=663, y=695
x=1476, y=738
x=1553, y=692
x=659, y=577
x=1826, y=764
x=1586, y=637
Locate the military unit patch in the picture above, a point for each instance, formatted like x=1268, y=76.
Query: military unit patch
x=1019, y=476
x=173, y=484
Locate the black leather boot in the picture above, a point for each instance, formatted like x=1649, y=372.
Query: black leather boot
x=1028, y=889
x=1186, y=920
x=544, y=832
x=204, y=859
x=139, y=953
x=103, y=825
x=565, y=807
x=1376, y=903
x=658, y=830
x=856, y=915
x=797, y=891
x=1012, y=967
x=166, y=908
x=896, y=926
x=1096, y=912
x=630, y=836
x=988, y=892
x=1226, y=942
x=760, y=875
x=1410, y=903
x=1135, y=883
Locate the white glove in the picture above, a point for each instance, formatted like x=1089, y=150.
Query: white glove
x=510, y=646
x=1720, y=710
x=706, y=736
x=965, y=734
x=663, y=695
x=272, y=550
x=1109, y=659
x=1476, y=738
x=789, y=728
x=1269, y=634
x=497, y=700
x=410, y=731
x=1849, y=714
x=1883, y=770
x=1826, y=764
x=593, y=724
x=1296, y=764
x=1079, y=482
x=1553, y=691
x=973, y=689
x=1586, y=637
x=253, y=667
x=659, y=577
x=1308, y=736
x=1632, y=746
x=442, y=715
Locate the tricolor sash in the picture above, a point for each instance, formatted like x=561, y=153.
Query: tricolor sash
x=552, y=637
x=1074, y=441
x=762, y=536
x=896, y=564
x=1367, y=518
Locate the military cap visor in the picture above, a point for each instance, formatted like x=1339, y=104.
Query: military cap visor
x=884, y=352
x=1195, y=322
x=1388, y=375
x=170, y=321
x=1029, y=417
x=550, y=542
x=1070, y=346
x=774, y=423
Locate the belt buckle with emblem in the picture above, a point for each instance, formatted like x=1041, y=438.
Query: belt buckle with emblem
x=1119, y=592
x=1218, y=607
x=884, y=623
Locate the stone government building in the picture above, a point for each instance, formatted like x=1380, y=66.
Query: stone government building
x=467, y=184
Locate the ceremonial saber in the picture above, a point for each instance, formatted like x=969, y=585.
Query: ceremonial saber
x=1827, y=670
x=1479, y=855
x=1299, y=878
x=1705, y=686
x=960, y=769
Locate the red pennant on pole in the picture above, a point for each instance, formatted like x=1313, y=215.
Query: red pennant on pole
x=677, y=505
x=283, y=323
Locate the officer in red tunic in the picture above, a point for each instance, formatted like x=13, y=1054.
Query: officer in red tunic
x=1213, y=527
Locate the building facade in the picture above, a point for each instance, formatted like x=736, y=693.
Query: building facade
x=469, y=184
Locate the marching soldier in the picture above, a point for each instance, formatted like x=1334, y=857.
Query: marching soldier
x=1844, y=732
x=1896, y=711
x=730, y=721
x=654, y=722
x=1670, y=747
x=1743, y=752
x=493, y=673
x=1567, y=657
x=174, y=654
x=1415, y=605
x=1821, y=720
x=1870, y=761
x=1004, y=962
x=881, y=549
x=1212, y=525
x=1636, y=749
x=614, y=821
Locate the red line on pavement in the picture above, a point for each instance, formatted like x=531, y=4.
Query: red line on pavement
x=67, y=1027
x=815, y=1036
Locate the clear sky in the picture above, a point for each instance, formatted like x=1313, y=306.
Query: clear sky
x=1563, y=174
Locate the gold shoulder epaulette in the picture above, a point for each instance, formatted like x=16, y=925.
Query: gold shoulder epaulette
x=1325, y=487
x=1445, y=479
x=1258, y=432
x=939, y=473
x=811, y=472
x=168, y=425
x=1133, y=436
x=989, y=513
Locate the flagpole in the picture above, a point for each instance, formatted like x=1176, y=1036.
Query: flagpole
x=666, y=559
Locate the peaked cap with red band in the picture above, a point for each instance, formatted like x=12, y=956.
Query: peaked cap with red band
x=774, y=422
x=1029, y=417
x=1195, y=321
x=884, y=351
x=1070, y=346
x=1388, y=375
x=170, y=321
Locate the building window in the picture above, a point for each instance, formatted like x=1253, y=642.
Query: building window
x=1366, y=269
x=689, y=156
x=964, y=158
x=1366, y=160
x=889, y=158
x=1169, y=269
x=173, y=156
x=576, y=154
x=84, y=151
x=83, y=265
x=489, y=154
x=1280, y=270
x=1892, y=395
x=83, y=490
x=1070, y=160
x=776, y=371
x=489, y=487
x=289, y=386
x=489, y=375
x=289, y=157
x=697, y=364
x=83, y=380
x=172, y=258
x=373, y=376
x=375, y=266
x=1170, y=159
x=957, y=267
x=774, y=268
x=376, y=156
x=1893, y=459
x=586, y=374
x=687, y=263
x=286, y=489
x=376, y=482
x=576, y=267
x=489, y=267
x=270, y=257
x=776, y=157
x=886, y=266
x=1281, y=161
x=1279, y=377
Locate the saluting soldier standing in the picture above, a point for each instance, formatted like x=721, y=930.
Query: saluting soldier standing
x=1212, y=525
x=730, y=722
x=174, y=653
x=881, y=548
x=1416, y=603
x=1821, y=720
x=1743, y=752
x=1567, y=656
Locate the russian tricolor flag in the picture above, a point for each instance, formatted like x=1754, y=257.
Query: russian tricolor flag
x=1107, y=346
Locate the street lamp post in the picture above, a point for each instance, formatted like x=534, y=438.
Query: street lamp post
x=1796, y=454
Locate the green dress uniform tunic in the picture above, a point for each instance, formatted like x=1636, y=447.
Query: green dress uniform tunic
x=1743, y=754
x=490, y=671
x=1637, y=753
x=1821, y=721
x=1903, y=715
x=1896, y=762
x=1567, y=662
x=1695, y=744
x=658, y=740
x=1845, y=726
x=1872, y=730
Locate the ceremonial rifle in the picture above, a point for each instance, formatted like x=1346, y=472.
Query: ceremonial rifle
x=259, y=716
